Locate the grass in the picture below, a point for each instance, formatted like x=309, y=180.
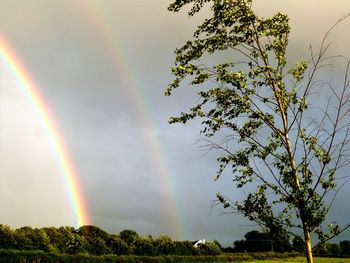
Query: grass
x=303, y=260
x=263, y=257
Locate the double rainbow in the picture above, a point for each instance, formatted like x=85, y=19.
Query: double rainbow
x=24, y=80
x=109, y=38
x=113, y=46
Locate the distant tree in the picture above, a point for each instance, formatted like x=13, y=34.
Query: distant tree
x=75, y=244
x=298, y=244
x=164, y=245
x=96, y=239
x=97, y=246
x=93, y=240
x=280, y=243
x=216, y=242
x=128, y=236
x=56, y=238
x=72, y=243
x=333, y=249
x=185, y=248
x=265, y=118
x=228, y=250
x=345, y=247
x=6, y=237
x=117, y=245
x=64, y=235
x=27, y=238
x=239, y=246
x=209, y=248
x=92, y=232
x=258, y=242
x=41, y=241
x=23, y=238
x=144, y=247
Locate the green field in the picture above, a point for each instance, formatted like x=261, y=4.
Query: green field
x=7, y=255
x=303, y=260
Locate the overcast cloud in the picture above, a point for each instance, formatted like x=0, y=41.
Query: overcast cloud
x=119, y=147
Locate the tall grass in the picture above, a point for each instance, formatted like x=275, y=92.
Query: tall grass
x=303, y=260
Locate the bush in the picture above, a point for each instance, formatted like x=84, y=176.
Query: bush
x=209, y=249
x=14, y=256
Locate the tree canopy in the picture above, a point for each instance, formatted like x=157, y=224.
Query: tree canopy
x=95, y=241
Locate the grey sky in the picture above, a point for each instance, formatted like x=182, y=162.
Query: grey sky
x=111, y=142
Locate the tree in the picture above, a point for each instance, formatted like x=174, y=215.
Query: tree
x=72, y=242
x=117, y=245
x=345, y=247
x=128, y=236
x=298, y=244
x=262, y=241
x=23, y=238
x=333, y=249
x=261, y=119
x=56, y=239
x=209, y=248
x=239, y=246
x=144, y=247
x=164, y=245
x=185, y=248
x=216, y=242
x=6, y=236
x=41, y=240
x=75, y=244
x=96, y=239
x=258, y=242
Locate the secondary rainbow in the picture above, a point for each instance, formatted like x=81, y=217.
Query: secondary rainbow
x=24, y=80
x=110, y=41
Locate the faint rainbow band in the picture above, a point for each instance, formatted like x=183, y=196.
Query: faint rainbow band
x=26, y=83
x=111, y=41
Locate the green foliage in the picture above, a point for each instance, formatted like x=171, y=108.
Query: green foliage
x=92, y=232
x=209, y=248
x=298, y=244
x=91, y=240
x=345, y=247
x=164, y=245
x=128, y=236
x=256, y=241
x=259, y=112
x=117, y=245
x=41, y=240
x=184, y=248
x=144, y=246
x=39, y=256
x=6, y=237
x=333, y=249
x=22, y=238
x=65, y=244
x=96, y=240
x=75, y=244
x=69, y=241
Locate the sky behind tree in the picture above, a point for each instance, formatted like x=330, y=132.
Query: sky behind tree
x=102, y=67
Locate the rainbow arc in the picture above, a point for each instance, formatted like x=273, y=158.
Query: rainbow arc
x=26, y=83
x=109, y=38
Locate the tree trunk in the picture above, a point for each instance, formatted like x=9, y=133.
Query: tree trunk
x=308, y=248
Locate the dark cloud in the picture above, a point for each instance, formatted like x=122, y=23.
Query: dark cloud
x=119, y=146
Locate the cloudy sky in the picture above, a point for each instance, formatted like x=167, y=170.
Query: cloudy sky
x=102, y=67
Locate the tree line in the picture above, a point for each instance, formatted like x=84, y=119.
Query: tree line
x=256, y=241
x=95, y=241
